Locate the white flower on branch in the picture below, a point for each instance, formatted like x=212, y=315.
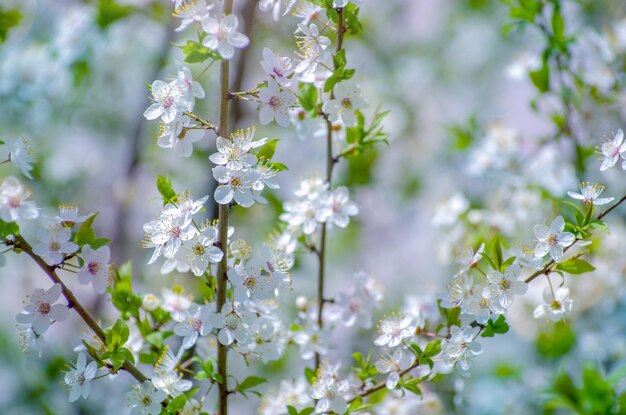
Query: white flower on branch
x=611, y=150
x=278, y=68
x=552, y=239
x=169, y=102
x=234, y=184
x=54, y=243
x=180, y=136
x=79, y=378
x=28, y=339
x=556, y=305
x=192, y=11
x=503, y=286
x=347, y=101
x=191, y=323
x=589, y=193
x=96, y=269
x=275, y=104
x=21, y=155
x=68, y=216
x=394, y=330
x=200, y=251
x=222, y=35
x=393, y=364
x=278, y=7
x=145, y=399
x=41, y=310
x=13, y=203
x=462, y=346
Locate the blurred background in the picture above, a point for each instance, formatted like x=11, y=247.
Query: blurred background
x=472, y=149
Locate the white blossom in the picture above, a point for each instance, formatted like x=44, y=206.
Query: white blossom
x=193, y=11
x=555, y=307
x=191, y=323
x=41, y=310
x=222, y=35
x=54, y=243
x=234, y=184
x=279, y=68
x=503, y=286
x=96, y=269
x=611, y=150
x=13, y=203
x=180, y=136
x=589, y=193
x=21, y=155
x=79, y=378
x=393, y=364
x=462, y=346
x=347, y=100
x=394, y=330
x=169, y=102
x=552, y=239
x=275, y=104
x=145, y=399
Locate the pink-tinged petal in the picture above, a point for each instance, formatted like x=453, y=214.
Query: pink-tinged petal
x=382, y=340
x=541, y=232
x=86, y=388
x=53, y=293
x=266, y=115
x=392, y=380
x=619, y=138
x=608, y=162
x=81, y=362
x=226, y=50
x=238, y=40
x=90, y=370
x=244, y=198
x=99, y=284
x=75, y=392
x=575, y=195
x=603, y=201
x=154, y=111
x=226, y=337
x=25, y=318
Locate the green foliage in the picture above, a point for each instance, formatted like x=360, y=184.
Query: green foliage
x=361, y=138
x=555, y=340
x=307, y=95
x=9, y=18
x=575, y=266
x=541, y=77
x=177, y=404
x=425, y=356
x=87, y=236
x=122, y=295
x=364, y=369
x=464, y=134
x=594, y=396
x=500, y=326
x=110, y=11
x=249, y=383
x=340, y=73
x=449, y=316
x=208, y=370
x=291, y=410
x=164, y=184
x=357, y=405
x=8, y=228
x=116, y=337
x=267, y=150
x=194, y=52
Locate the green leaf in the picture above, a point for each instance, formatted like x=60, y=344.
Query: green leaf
x=110, y=11
x=575, y=266
x=164, y=184
x=177, y=403
x=9, y=18
x=117, y=335
x=194, y=53
x=267, y=150
x=500, y=326
x=307, y=94
x=250, y=382
x=541, y=78
x=278, y=166
x=8, y=228
x=555, y=340
x=309, y=374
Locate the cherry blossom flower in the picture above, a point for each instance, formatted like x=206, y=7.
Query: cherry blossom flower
x=96, y=269
x=328, y=390
x=293, y=392
x=233, y=154
x=180, y=136
x=308, y=12
x=503, y=286
x=222, y=35
x=186, y=206
x=275, y=104
x=312, y=340
x=169, y=102
x=339, y=207
x=54, y=243
x=169, y=232
x=191, y=87
x=234, y=184
x=468, y=258
x=41, y=310
x=394, y=364
x=462, y=346
x=79, y=378
x=347, y=100
x=193, y=11
x=21, y=155
x=191, y=323
x=276, y=262
x=145, y=399
x=481, y=306
x=13, y=203
x=458, y=291
x=231, y=322
x=68, y=216
x=29, y=340
x=552, y=239
x=249, y=283
x=171, y=382
x=310, y=36
x=394, y=330
x=278, y=68
x=555, y=307
x=200, y=251
x=611, y=150
x=175, y=300
x=589, y=193
x=356, y=306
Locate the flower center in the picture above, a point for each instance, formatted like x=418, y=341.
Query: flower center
x=146, y=401
x=235, y=182
x=346, y=103
x=174, y=232
x=556, y=305
x=14, y=202
x=94, y=267
x=44, y=308
x=505, y=284
x=275, y=102
x=198, y=250
x=167, y=101
x=55, y=246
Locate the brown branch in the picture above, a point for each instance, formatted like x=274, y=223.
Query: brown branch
x=382, y=385
x=72, y=302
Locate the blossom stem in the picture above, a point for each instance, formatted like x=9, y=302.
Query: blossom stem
x=73, y=303
x=382, y=385
x=223, y=213
x=207, y=124
x=330, y=163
